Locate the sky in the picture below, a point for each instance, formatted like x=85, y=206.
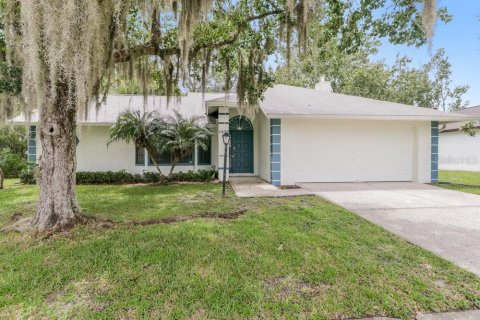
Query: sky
x=461, y=40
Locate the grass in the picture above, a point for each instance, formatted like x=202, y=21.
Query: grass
x=465, y=181
x=292, y=258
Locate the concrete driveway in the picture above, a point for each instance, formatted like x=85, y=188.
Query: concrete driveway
x=442, y=221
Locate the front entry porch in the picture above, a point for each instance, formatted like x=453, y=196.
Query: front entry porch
x=242, y=153
x=251, y=187
x=251, y=152
x=241, y=132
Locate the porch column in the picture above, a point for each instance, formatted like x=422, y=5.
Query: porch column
x=434, y=152
x=195, y=157
x=223, y=126
x=275, y=152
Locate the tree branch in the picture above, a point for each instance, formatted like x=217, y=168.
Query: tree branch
x=152, y=47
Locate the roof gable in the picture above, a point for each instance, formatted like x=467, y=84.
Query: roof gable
x=278, y=101
x=283, y=100
x=471, y=111
x=456, y=126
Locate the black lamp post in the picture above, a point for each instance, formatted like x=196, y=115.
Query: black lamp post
x=226, y=142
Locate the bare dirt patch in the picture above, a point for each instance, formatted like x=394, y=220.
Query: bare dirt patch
x=16, y=216
x=97, y=222
x=285, y=286
x=199, y=197
x=19, y=224
x=82, y=294
x=24, y=224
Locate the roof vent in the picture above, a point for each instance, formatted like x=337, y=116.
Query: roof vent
x=323, y=85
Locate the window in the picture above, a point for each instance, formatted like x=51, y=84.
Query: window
x=33, y=132
x=205, y=156
x=165, y=158
x=139, y=156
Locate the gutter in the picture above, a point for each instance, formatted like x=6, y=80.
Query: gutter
x=440, y=118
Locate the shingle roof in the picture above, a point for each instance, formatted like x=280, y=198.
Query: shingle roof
x=189, y=105
x=283, y=100
x=471, y=111
x=279, y=101
x=456, y=126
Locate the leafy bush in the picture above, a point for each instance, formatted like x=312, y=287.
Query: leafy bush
x=12, y=164
x=28, y=177
x=201, y=175
x=13, y=147
x=123, y=177
x=151, y=177
x=108, y=177
x=14, y=139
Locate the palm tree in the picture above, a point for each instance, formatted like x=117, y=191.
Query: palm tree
x=180, y=135
x=141, y=128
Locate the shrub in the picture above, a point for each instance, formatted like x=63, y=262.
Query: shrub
x=28, y=177
x=108, y=177
x=151, y=177
x=12, y=164
x=14, y=138
x=192, y=176
x=201, y=175
x=123, y=177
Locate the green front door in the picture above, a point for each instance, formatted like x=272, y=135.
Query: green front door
x=242, y=151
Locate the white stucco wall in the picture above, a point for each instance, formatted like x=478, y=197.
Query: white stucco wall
x=458, y=151
x=94, y=155
x=312, y=150
x=316, y=150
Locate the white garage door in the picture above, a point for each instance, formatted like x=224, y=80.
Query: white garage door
x=344, y=151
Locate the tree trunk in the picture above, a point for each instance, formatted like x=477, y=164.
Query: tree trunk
x=152, y=158
x=2, y=177
x=174, y=164
x=57, y=208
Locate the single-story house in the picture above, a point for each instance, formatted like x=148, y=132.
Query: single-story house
x=297, y=135
x=458, y=150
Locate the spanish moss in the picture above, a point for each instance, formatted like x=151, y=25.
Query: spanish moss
x=429, y=18
x=65, y=43
x=190, y=14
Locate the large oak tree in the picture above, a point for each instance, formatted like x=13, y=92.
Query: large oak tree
x=69, y=51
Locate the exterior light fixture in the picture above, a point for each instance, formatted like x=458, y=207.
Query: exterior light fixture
x=226, y=141
x=226, y=138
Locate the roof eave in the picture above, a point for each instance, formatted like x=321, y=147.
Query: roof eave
x=456, y=129
x=442, y=119
x=230, y=104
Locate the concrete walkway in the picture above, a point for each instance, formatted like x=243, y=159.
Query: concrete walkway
x=249, y=187
x=445, y=222
x=463, y=315
x=466, y=315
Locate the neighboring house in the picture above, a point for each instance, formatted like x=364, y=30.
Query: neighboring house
x=297, y=135
x=458, y=150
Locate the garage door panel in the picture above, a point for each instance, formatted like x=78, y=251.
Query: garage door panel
x=319, y=153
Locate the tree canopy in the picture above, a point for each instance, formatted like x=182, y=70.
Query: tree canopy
x=428, y=86
x=171, y=45
x=70, y=51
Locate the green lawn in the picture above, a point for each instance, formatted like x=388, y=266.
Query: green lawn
x=285, y=258
x=465, y=181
